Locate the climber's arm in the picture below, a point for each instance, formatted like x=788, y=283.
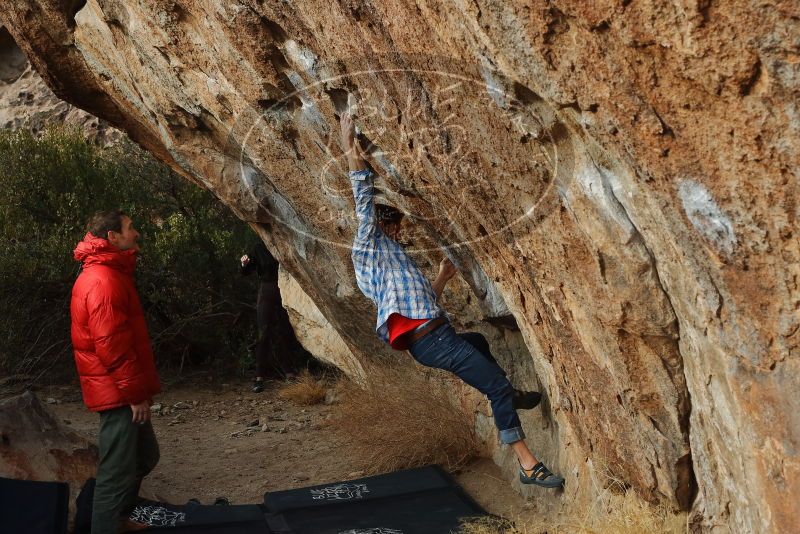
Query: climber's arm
x=446, y=271
x=361, y=181
x=354, y=160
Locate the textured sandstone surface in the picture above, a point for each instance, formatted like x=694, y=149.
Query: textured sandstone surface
x=313, y=330
x=26, y=101
x=617, y=182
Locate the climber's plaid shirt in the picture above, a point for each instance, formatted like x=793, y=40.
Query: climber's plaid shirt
x=384, y=272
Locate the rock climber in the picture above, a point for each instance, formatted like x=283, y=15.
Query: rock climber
x=409, y=317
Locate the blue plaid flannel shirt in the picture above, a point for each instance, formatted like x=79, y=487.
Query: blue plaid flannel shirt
x=384, y=272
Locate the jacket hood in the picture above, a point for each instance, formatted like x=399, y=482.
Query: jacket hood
x=96, y=251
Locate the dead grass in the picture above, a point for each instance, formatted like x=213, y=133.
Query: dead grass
x=404, y=417
x=305, y=390
x=612, y=512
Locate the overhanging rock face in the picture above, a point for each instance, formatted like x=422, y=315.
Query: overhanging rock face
x=27, y=103
x=616, y=179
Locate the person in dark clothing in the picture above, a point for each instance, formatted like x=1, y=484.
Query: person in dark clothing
x=275, y=348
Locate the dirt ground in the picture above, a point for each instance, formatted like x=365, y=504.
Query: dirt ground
x=223, y=440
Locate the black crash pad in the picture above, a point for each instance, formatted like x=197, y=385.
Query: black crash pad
x=229, y=519
x=180, y=518
x=33, y=507
x=415, y=501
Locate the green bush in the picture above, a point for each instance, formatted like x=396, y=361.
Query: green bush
x=199, y=309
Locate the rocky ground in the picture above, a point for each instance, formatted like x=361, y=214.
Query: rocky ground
x=219, y=439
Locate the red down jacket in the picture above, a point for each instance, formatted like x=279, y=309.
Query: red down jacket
x=109, y=334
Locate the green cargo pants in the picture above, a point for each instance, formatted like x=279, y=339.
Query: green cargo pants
x=128, y=452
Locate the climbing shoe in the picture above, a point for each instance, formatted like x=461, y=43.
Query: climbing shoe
x=526, y=400
x=540, y=476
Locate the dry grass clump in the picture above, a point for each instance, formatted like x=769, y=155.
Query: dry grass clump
x=305, y=390
x=404, y=417
x=611, y=513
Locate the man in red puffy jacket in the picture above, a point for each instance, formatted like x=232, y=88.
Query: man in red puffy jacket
x=115, y=364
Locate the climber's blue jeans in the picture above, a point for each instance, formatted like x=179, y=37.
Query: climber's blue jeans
x=444, y=349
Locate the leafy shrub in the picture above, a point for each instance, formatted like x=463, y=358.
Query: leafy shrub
x=199, y=309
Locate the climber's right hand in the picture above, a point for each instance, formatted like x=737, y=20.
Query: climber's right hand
x=348, y=131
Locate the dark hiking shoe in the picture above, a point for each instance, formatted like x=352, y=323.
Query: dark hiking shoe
x=526, y=400
x=222, y=501
x=258, y=386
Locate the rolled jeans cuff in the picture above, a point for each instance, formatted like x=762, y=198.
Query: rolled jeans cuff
x=511, y=435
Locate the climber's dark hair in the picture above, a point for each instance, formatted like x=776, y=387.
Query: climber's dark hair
x=388, y=214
